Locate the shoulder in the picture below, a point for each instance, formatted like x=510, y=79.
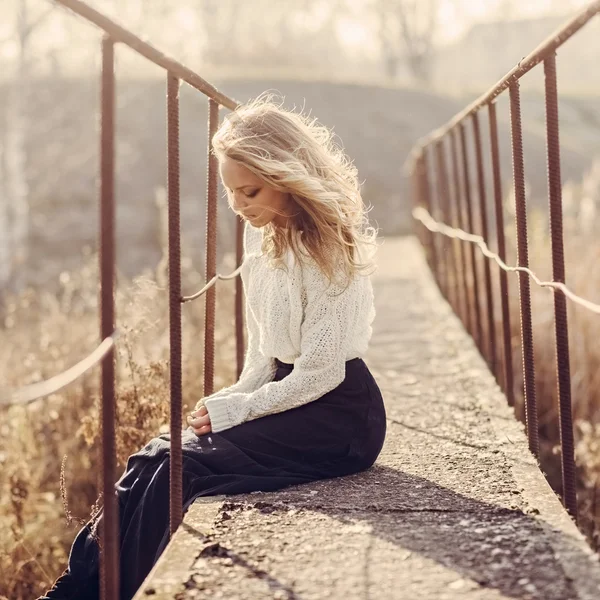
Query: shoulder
x=316, y=283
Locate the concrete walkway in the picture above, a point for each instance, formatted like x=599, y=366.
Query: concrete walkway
x=454, y=508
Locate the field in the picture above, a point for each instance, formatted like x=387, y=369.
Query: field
x=44, y=334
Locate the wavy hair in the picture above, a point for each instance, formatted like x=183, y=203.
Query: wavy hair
x=293, y=153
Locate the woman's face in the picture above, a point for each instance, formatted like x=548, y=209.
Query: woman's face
x=251, y=197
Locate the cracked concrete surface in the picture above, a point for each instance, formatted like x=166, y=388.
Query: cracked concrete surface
x=455, y=506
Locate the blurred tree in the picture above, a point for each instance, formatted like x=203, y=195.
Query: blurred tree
x=14, y=129
x=261, y=33
x=406, y=32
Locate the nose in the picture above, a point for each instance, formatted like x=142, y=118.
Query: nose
x=238, y=203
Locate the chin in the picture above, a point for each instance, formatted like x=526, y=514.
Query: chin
x=258, y=222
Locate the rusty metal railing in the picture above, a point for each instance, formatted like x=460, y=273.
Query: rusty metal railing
x=446, y=207
x=104, y=353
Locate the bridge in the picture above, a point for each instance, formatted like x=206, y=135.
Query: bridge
x=457, y=505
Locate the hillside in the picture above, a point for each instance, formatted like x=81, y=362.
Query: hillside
x=377, y=126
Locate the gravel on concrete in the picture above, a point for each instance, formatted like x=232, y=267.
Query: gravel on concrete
x=455, y=507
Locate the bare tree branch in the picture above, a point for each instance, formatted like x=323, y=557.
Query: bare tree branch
x=406, y=30
x=33, y=25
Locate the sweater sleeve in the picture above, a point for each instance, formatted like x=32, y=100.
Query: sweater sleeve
x=329, y=321
x=257, y=368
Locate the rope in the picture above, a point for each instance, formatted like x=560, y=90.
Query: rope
x=34, y=391
x=212, y=282
x=420, y=214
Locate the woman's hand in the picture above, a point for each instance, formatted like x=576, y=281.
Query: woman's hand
x=200, y=421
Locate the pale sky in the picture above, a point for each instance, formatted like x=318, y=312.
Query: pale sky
x=456, y=17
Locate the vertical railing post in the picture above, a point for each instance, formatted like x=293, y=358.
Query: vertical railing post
x=444, y=209
x=239, y=296
x=424, y=199
x=523, y=261
x=477, y=330
x=416, y=201
x=460, y=225
x=490, y=347
x=506, y=330
x=560, y=302
x=434, y=209
x=109, y=555
x=176, y=460
x=453, y=222
x=211, y=250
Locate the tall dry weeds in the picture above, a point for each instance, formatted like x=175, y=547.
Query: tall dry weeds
x=42, y=335
x=582, y=253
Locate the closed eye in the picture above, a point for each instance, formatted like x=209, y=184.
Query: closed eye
x=252, y=194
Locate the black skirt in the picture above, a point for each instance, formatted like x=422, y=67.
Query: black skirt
x=340, y=433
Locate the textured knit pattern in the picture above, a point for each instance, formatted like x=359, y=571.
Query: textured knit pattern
x=295, y=315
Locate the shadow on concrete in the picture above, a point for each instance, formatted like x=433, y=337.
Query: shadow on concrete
x=499, y=548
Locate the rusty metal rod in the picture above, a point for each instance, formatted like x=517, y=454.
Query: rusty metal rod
x=239, y=297
x=452, y=219
x=419, y=201
x=109, y=555
x=477, y=328
x=443, y=192
x=466, y=317
x=176, y=462
x=506, y=330
x=491, y=330
x=523, y=261
x=432, y=182
x=560, y=303
x=416, y=199
x=425, y=200
x=211, y=251
x=545, y=49
x=120, y=34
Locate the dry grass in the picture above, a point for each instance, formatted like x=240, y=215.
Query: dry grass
x=582, y=252
x=44, y=334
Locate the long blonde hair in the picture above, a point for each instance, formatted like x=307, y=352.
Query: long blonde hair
x=293, y=153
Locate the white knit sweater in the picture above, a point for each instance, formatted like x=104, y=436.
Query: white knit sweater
x=297, y=316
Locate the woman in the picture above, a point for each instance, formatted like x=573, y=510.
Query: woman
x=306, y=406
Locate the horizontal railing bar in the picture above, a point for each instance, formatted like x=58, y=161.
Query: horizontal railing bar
x=436, y=227
x=212, y=282
x=120, y=34
x=546, y=48
x=34, y=391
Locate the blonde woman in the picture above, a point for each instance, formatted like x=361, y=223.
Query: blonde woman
x=306, y=406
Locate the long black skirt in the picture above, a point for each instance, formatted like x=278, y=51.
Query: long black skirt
x=338, y=434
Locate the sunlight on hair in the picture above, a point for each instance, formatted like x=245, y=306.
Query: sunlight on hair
x=293, y=153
